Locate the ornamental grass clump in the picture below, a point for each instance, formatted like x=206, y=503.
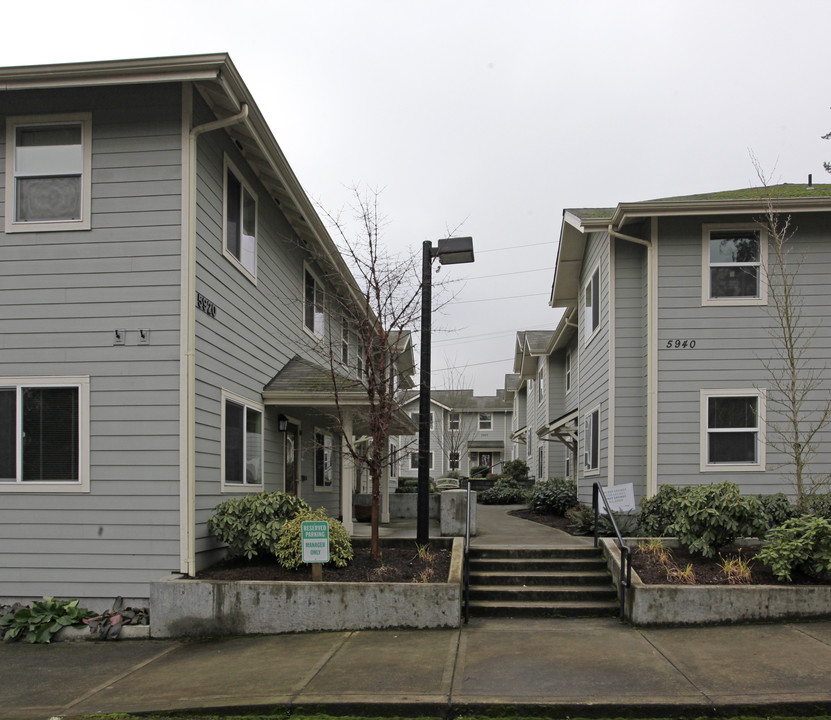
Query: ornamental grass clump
x=289, y=549
x=251, y=525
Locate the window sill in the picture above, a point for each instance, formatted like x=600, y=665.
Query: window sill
x=233, y=488
x=44, y=487
x=251, y=277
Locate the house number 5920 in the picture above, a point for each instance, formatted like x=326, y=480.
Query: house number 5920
x=680, y=344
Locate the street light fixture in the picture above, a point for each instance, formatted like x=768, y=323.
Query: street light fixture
x=450, y=251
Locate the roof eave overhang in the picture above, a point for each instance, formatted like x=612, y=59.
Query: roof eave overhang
x=566, y=285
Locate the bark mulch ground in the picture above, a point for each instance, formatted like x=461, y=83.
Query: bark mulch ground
x=395, y=565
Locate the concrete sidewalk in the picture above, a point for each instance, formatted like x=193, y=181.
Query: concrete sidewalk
x=571, y=667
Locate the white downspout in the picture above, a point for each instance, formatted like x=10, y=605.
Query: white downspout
x=188, y=324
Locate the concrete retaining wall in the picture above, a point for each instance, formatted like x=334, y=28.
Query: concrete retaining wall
x=403, y=505
x=651, y=605
x=201, y=608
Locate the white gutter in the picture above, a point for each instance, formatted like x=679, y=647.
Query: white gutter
x=629, y=238
x=187, y=492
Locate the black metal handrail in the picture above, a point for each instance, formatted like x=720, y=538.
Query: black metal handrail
x=466, y=563
x=625, y=552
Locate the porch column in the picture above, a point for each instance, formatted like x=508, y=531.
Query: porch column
x=385, y=493
x=347, y=475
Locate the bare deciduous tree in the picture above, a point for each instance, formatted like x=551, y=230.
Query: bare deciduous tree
x=798, y=393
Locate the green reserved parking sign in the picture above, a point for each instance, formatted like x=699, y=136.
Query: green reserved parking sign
x=314, y=536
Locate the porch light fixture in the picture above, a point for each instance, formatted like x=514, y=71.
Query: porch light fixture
x=450, y=251
x=282, y=423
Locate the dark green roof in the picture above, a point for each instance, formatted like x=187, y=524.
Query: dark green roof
x=300, y=375
x=775, y=192
x=591, y=213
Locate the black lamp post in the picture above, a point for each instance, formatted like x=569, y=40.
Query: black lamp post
x=450, y=251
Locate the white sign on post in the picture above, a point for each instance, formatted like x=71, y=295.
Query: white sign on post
x=314, y=536
x=621, y=498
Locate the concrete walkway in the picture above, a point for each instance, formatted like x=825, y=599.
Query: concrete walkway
x=570, y=667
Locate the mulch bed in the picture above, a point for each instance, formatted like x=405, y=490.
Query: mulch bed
x=395, y=565
x=555, y=521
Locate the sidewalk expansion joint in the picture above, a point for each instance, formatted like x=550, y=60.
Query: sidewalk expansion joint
x=684, y=675
x=318, y=668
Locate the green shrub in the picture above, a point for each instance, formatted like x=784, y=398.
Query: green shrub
x=479, y=471
x=410, y=485
x=516, y=470
x=251, y=524
x=289, y=551
x=656, y=514
x=581, y=520
x=503, y=492
x=555, y=496
x=820, y=505
x=708, y=517
x=37, y=624
x=776, y=509
x=802, y=543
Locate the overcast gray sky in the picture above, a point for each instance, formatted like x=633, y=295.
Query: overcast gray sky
x=493, y=116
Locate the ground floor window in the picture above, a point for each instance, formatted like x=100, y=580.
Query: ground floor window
x=242, y=440
x=454, y=461
x=732, y=426
x=324, y=474
x=591, y=441
x=414, y=460
x=44, y=433
x=541, y=462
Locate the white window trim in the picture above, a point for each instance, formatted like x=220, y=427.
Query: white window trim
x=567, y=371
x=82, y=485
x=490, y=427
x=344, y=341
x=318, y=290
x=591, y=335
x=587, y=471
x=541, y=385
x=84, y=223
x=226, y=487
x=227, y=165
x=393, y=460
x=706, y=300
x=326, y=436
x=759, y=466
x=414, y=455
x=450, y=421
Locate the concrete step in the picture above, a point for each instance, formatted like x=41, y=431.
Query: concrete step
x=542, y=593
x=508, y=577
x=543, y=609
x=562, y=551
x=522, y=565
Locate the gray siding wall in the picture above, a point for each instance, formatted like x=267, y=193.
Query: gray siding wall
x=731, y=344
x=556, y=407
x=62, y=294
x=630, y=366
x=257, y=329
x=594, y=361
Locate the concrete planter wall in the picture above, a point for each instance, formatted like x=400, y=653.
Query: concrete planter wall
x=200, y=608
x=651, y=605
x=403, y=505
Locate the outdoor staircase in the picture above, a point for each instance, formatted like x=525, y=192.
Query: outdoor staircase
x=540, y=582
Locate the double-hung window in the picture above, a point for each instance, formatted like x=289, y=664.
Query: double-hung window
x=324, y=473
x=732, y=428
x=591, y=441
x=568, y=371
x=733, y=260
x=415, y=416
x=48, y=172
x=240, y=241
x=592, y=304
x=313, y=305
x=541, y=462
x=44, y=434
x=414, y=460
x=454, y=421
x=242, y=444
x=485, y=421
x=454, y=460
x=541, y=385
x=344, y=342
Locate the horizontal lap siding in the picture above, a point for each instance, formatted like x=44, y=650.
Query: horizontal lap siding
x=256, y=331
x=630, y=367
x=731, y=345
x=555, y=450
x=594, y=362
x=62, y=294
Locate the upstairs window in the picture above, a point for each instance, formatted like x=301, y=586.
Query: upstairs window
x=344, y=342
x=485, y=421
x=414, y=416
x=313, y=306
x=49, y=173
x=240, y=243
x=541, y=385
x=733, y=262
x=568, y=371
x=592, y=299
x=454, y=421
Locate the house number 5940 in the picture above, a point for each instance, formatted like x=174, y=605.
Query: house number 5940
x=680, y=344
